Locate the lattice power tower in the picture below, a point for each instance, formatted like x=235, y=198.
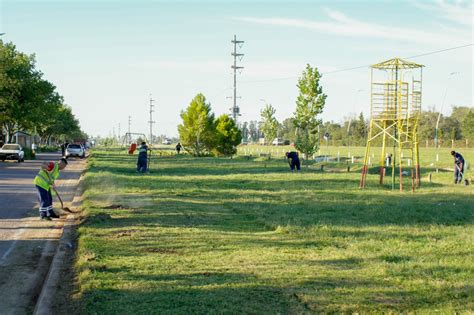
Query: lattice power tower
x=395, y=108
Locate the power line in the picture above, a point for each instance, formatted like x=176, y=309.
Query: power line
x=439, y=51
x=360, y=67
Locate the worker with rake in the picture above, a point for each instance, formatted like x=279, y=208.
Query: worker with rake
x=458, y=167
x=142, y=161
x=293, y=160
x=44, y=183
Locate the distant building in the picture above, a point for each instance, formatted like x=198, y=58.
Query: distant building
x=22, y=138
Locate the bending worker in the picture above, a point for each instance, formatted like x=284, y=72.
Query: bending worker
x=458, y=167
x=44, y=182
x=142, y=158
x=293, y=160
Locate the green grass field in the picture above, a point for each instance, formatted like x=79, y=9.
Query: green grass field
x=216, y=235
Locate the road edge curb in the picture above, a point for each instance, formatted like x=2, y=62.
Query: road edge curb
x=46, y=299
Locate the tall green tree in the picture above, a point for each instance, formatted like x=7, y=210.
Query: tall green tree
x=28, y=102
x=18, y=89
x=451, y=129
x=427, y=125
x=269, y=124
x=287, y=130
x=197, y=131
x=66, y=126
x=309, y=104
x=244, y=129
x=253, y=131
x=459, y=112
x=467, y=125
x=360, y=130
x=227, y=136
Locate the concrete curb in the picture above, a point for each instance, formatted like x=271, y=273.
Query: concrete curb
x=46, y=299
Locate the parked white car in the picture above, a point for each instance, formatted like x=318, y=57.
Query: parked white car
x=74, y=149
x=166, y=141
x=277, y=141
x=12, y=152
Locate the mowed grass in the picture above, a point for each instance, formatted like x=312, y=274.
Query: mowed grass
x=215, y=235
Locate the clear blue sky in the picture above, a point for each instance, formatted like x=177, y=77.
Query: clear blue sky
x=106, y=57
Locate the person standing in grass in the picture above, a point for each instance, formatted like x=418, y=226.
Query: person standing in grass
x=178, y=147
x=142, y=158
x=44, y=182
x=458, y=167
x=293, y=160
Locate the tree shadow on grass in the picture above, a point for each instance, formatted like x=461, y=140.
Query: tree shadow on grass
x=229, y=209
x=217, y=292
x=164, y=296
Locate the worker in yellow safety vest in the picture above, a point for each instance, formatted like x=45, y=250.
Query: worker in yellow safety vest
x=44, y=182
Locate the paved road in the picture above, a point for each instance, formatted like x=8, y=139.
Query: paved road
x=27, y=245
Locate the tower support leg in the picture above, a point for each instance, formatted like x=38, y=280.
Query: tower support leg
x=382, y=155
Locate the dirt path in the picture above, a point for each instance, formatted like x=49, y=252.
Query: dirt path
x=27, y=245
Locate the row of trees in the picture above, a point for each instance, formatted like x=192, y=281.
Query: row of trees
x=303, y=128
x=30, y=103
x=202, y=134
x=353, y=130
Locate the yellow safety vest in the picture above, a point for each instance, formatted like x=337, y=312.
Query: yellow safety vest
x=46, y=179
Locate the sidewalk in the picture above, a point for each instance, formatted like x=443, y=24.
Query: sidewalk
x=28, y=244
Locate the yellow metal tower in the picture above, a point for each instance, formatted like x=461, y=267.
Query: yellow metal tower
x=395, y=108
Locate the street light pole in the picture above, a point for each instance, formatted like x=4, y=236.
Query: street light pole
x=442, y=105
x=151, y=119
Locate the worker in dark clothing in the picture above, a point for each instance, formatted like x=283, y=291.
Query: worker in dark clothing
x=293, y=160
x=458, y=167
x=142, y=158
x=178, y=147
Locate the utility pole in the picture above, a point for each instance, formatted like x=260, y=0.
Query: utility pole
x=119, y=132
x=235, y=109
x=151, y=119
x=129, y=123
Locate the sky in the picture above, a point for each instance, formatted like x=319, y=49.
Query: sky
x=107, y=57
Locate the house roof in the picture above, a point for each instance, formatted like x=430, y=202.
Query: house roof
x=21, y=133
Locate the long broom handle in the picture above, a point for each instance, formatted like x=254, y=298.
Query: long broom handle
x=59, y=197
